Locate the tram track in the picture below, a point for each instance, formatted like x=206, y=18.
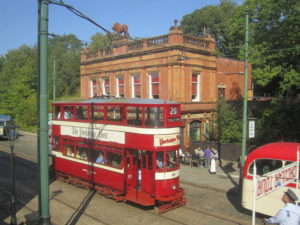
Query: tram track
x=22, y=204
x=195, y=209
x=203, y=212
x=215, y=214
x=204, y=187
x=80, y=211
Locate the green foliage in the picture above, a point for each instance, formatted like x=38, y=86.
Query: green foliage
x=275, y=46
x=64, y=61
x=18, y=89
x=274, y=39
x=229, y=123
x=18, y=77
x=216, y=20
x=274, y=51
x=100, y=41
x=279, y=122
x=75, y=96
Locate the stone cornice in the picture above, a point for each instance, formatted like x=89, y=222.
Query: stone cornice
x=149, y=51
x=147, y=67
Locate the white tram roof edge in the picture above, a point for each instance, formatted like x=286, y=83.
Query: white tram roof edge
x=146, y=101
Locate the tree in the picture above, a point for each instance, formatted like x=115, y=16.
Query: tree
x=217, y=20
x=18, y=85
x=18, y=77
x=279, y=122
x=274, y=41
x=64, y=51
x=229, y=124
x=100, y=41
x=275, y=46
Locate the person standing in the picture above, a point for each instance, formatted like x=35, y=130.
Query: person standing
x=181, y=156
x=214, y=157
x=201, y=157
x=288, y=215
x=207, y=154
x=194, y=158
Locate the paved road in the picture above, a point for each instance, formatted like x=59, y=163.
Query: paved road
x=25, y=145
x=212, y=199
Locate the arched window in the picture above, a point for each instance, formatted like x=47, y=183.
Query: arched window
x=195, y=131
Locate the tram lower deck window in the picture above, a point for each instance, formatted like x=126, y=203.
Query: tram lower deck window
x=172, y=159
x=160, y=160
x=56, y=143
x=82, y=153
x=68, y=149
x=114, y=159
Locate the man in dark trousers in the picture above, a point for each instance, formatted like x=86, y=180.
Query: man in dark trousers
x=288, y=215
x=207, y=154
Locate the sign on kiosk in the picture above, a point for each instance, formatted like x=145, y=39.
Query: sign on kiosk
x=276, y=179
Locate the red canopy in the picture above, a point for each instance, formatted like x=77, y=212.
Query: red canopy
x=277, y=150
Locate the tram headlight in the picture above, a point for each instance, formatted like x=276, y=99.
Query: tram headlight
x=174, y=187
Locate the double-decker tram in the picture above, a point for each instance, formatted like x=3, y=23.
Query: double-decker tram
x=126, y=149
x=276, y=171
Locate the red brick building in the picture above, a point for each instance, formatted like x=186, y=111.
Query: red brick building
x=175, y=67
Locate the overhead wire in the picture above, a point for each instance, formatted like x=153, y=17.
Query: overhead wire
x=60, y=36
x=78, y=13
x=82, y=15
x=254, y=23
x=266, y=51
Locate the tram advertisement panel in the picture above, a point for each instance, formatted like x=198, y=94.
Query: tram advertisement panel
x=276, y=179
x=166, y=140
x=95, y=133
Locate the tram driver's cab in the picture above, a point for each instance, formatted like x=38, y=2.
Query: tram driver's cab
x=167, y=160
x=151, y=173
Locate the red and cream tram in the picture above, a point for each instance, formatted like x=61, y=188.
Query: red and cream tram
x=126, y=149
x=276, y=170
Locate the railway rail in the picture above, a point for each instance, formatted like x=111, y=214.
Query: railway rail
x=83, y=212
x=80, y=212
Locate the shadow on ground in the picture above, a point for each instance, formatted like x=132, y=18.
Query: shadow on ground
x=26, y=183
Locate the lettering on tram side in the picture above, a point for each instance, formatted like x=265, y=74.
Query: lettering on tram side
x=96, y=134
x=166, y=140
x=276, y=179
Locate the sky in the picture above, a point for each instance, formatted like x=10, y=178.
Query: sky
x=144, y=18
